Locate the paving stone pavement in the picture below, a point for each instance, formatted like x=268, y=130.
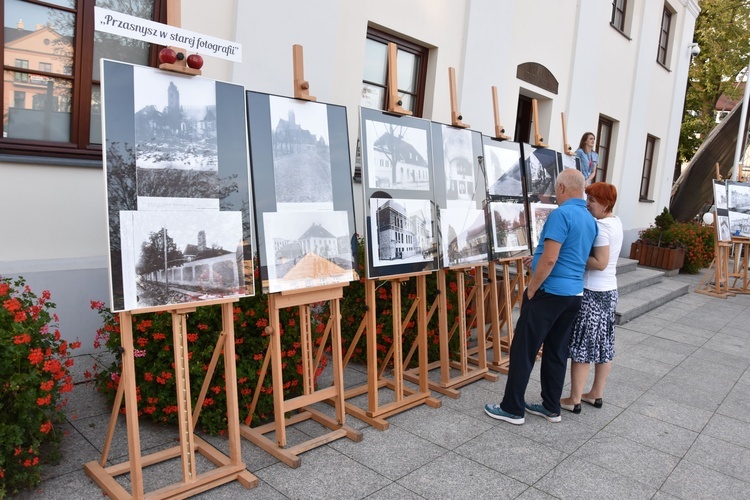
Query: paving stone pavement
x=675, y=424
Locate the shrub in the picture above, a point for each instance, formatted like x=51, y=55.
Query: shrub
x=353, y=309
x=34, y=362
x=154, y=359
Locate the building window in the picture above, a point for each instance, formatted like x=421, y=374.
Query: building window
x=604, y=141
x=56, y=54
x=648, y=161
x=662, y=55
x=19, y=99
x=619, y=10
x=412, y=69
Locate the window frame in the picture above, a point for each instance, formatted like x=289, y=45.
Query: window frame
x=663, y=51
x=602, y=168
x=623, y=11
x=412, y=48
x=82, y=83
x=648, y=162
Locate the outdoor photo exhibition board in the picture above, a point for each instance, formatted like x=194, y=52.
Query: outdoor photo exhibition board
x=460, y=193
x=303, y=192
x=738, y=206
x=397, y=173
x=178, y=187
x=504, y=172
x=721, y=211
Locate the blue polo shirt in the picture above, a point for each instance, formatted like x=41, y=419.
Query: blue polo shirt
x=575, y=228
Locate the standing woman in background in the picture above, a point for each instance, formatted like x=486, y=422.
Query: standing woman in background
x=589, y=157
x=592, y=338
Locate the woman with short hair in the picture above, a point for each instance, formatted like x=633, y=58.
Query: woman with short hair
x=592, y=338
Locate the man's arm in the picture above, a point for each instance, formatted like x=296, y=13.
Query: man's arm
x=600, y=259
x=546, y=262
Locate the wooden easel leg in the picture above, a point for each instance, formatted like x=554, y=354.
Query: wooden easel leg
x=131, y=404
x=372, y=346
x=397, y=346
x=278, y=382
x=338, y=370
x=182, y=381
x=230, y=380
x=443, y=328
x=422, y=333
x=113, y=421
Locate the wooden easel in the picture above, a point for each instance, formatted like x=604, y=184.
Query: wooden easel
x=567, y=149
x=229, y=468
x=716, y=280
x=538, y=139
x=302, y=404
x=448, y=384
x=404, y=397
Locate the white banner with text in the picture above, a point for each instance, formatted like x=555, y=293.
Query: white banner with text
x=116, y=23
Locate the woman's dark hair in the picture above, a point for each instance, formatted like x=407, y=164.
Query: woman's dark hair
x=584, y=138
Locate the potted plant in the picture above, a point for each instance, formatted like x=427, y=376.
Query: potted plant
x=669, y=245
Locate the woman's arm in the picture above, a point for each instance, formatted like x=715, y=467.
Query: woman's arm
x=599, y=259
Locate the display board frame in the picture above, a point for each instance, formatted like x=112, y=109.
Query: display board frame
x=303, y=194
x=176, y=169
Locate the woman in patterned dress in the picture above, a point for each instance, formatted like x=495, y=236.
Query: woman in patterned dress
x=592, y=339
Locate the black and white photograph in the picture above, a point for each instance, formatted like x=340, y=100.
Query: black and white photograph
x=739, y=197
x=720, y=195
x=509, y=229
x=302, y=181
x=403, y=231
x=175, y=146
x=541, y=173
x=722, y=223
x=568, y=161
x=396, y=155
x=176, y=150
x=173, y=257
x=464, y=237
x=301, y=155
x=309, y=249
x=502, y=163
x=458, y=163
x=539, y=214
x=739, y=224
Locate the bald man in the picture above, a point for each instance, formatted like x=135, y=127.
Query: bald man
x=550, y=304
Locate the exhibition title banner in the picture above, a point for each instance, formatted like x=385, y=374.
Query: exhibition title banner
x=162, y=34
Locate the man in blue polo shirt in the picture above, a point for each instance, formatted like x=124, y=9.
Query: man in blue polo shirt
x=550, y=304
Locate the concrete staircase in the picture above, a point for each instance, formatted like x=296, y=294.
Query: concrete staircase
x=642, y=289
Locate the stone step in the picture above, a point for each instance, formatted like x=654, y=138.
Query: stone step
x=626, y=265
x=637, y=279
x=634, y=304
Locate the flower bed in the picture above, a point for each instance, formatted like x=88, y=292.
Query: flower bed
x=34, y=375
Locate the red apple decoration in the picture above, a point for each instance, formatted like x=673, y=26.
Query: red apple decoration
x=167, y=55
x=195, y=61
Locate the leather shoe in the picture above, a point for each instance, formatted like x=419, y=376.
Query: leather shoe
x=596, y=403
x=571, y=408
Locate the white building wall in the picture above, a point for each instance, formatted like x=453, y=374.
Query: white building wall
x=56, y=235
